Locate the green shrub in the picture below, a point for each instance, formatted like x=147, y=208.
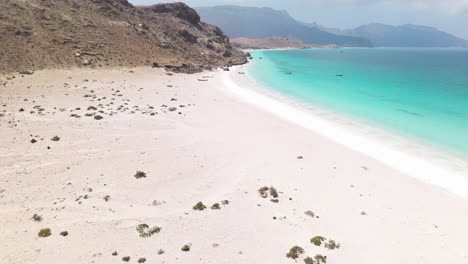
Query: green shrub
x=215, y=206
x=263, y=192
x=126, y=259
x=115, y=253
x=145, y=231
x=319, y=259
x=294, y=252
x=140, y=174
x=331, y=245
x=55, y=138
x=45, y=232
x=309, y=260
x=199, y=207
x=186, y=248
x=224, y=202
x=273, y=192
x=98, y=117
x=141, y=260
x=64, y=233
x=317, y=240
x=274, y=200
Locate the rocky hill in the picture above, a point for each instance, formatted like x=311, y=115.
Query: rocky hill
x=39, y=34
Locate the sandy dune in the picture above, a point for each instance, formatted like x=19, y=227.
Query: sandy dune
x=212, y=147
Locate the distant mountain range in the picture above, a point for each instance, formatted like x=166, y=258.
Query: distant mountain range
x=400, y=36
x=258, y=23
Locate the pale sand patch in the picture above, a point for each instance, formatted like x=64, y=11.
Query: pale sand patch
x=217, y=148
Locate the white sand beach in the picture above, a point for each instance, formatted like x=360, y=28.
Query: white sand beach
x=204, y=141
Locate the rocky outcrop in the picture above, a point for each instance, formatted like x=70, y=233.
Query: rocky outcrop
x=39, y=34
x=179, y=10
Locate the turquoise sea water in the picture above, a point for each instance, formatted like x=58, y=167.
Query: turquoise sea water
x=417, y=93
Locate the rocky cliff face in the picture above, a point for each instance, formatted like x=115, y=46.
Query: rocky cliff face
x=38, y=34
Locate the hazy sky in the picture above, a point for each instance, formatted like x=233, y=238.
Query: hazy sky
x=447, y=15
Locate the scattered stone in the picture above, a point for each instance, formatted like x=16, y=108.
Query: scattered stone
x=37, y=218
x=26, y=72
x=140, y=174
x=309, y=213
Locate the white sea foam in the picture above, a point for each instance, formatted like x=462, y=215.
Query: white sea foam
x=450, y=174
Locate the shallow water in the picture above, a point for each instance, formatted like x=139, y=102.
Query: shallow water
x=418, y=93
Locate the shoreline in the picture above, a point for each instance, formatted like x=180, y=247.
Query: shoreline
x=437, y=167
x=197, y=142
